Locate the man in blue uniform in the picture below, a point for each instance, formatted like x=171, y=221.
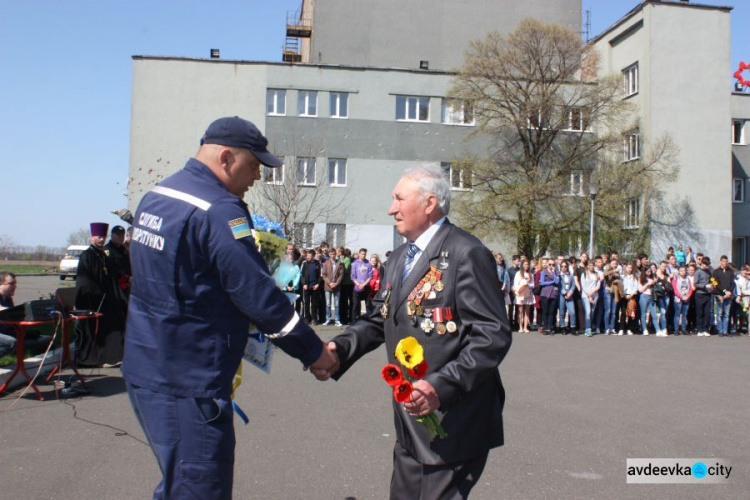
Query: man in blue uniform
x=198, y=283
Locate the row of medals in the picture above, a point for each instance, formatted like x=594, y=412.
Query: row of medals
x=437, y=319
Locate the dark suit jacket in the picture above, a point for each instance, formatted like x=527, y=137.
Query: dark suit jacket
x=463, y=367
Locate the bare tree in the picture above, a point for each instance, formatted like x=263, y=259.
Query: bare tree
x=80, y=237
x=7, y=246
x=554, y=129
x=297, y=194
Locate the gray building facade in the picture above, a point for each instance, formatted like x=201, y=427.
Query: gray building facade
x=352, y=118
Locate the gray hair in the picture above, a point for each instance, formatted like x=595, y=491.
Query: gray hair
x=431, y=180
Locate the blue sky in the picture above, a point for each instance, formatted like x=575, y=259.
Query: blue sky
x=65, y=82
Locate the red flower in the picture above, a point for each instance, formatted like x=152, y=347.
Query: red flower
x=391, y=374
x=418, y=371
x=124, y=281
x=402, y=391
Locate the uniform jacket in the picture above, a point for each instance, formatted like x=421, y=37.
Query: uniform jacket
x=463, y=367
x=198, y=283
x=329, y=276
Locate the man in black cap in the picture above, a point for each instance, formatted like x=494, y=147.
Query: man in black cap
x=118, y=254
x=198, y=283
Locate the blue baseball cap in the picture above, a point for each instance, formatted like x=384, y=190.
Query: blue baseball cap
x=235, y=132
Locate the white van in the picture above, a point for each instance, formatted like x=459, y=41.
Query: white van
x=69, y=263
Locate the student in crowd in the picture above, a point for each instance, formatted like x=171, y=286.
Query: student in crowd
x=742, y=292
x=333, y=273
x=703, y=291
x=723, y=292
x=503, y=277
x=689, y=257
x=660, y=293
x=611, y=294
x=523, y=284
x=377, y=274
x=568, y=286
x=361, y=275
x=590, y=285
x=548, y=297
x=647, y=303
x=515, y=264
x=683, y=292
x=629, y=300
x=347, y=288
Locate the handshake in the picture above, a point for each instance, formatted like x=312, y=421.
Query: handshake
x=327, y=364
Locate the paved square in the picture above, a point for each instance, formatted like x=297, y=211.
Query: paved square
x=576, y=409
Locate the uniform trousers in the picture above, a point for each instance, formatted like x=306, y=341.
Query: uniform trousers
x=412, y=480
x=193, y=441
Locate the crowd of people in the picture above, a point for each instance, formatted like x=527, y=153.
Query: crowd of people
x=333, y=284
x=680, y=295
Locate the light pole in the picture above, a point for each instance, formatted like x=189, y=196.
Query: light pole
x=593, y=190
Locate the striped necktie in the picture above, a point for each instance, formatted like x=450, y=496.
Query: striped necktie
x=409, y=262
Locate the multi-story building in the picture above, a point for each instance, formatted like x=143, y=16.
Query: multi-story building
x=349, y=116
x=674, y=57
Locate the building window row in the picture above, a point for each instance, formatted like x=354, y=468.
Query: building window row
x=307, y=173
x=408, y=108
x=307, y=103
x=571, y=119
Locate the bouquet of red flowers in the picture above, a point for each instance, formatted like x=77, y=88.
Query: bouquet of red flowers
x=411, y=355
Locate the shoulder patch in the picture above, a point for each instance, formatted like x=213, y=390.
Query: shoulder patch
x=240, y=228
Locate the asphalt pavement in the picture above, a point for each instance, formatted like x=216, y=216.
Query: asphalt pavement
x=576, y=409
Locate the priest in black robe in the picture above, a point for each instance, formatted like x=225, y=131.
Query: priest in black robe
x=99, y=341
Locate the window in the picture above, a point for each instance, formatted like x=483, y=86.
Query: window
x=632, y=147
x=738, y=190
x=273, y=175
x=398, y=240
x=337, y=172
x=307, y=103
x=576, y=184
x=339, y=105
x=535, y=120
x=306, y=171
x=459, y=177
x=276, y=102
x=577, y=119
x=634, y=213
x=457, y=112
x=336, y=235
x=303, y=234
x=414, y=109
x=738, y=132
x=630, y=79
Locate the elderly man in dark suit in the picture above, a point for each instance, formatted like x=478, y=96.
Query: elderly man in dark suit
x=461, y=322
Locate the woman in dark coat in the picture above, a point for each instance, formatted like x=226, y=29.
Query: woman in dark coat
x=99, y=341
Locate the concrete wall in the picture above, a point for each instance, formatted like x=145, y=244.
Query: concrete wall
x=683, y=55
x=398, y=33
x=174, y=101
